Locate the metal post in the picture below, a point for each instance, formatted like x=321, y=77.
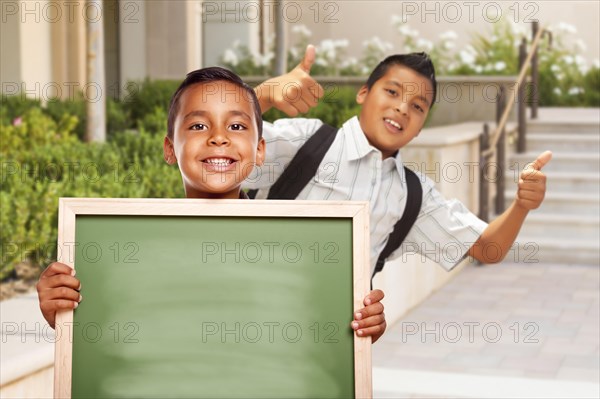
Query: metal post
x=96, y=79
x=521, y=100
x=535, y=95
x=484, y=191
x=280, y=47
x=500, y=152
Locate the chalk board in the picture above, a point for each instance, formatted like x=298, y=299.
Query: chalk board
x=213, y=298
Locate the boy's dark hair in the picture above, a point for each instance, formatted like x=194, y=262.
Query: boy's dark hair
x=418, y=62
x=207, y=75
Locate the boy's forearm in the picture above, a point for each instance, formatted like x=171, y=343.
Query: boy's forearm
x=500, y=235
x=502, y=232
x=262, y=93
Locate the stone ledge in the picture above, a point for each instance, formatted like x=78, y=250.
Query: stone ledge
x=27, y=344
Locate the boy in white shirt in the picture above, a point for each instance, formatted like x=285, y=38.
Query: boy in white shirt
x=364, y=162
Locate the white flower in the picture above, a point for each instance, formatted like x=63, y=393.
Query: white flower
x=559, y=76
x=449, y=35
x=326, y=45
x=378, y=44
x=500, y=66
x=573, y=91
x=230, y=57
x=328, y=49
x=478, y=69
x=424, y=44
x=568, y=59
x=517, y=30
x=448, y=45
x=302, y=30
x=350, y=62
x=557, y=91
x=596, y=63
x=341, y=43
x=565, y=27
x=467, y=57
x=579, y=60
x=266, y=58
x=555, y=68
x=262, y=60
x=256, y=58
x=397, y=19
x=406, y=31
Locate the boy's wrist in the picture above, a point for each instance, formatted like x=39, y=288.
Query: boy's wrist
x=263, y=93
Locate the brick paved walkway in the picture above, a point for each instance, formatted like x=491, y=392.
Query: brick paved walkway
x=509, y=330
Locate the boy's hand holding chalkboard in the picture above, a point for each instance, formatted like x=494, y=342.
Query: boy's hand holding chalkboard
x=370, y=320
x=294, y=92
x=58, y=289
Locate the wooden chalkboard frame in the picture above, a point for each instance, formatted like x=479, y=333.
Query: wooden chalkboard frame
x=69, y=208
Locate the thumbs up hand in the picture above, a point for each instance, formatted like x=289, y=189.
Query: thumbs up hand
x=532, y=183
x=293, y=93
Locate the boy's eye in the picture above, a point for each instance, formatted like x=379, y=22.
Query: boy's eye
x=391, y=91
x=198, y=126
x=419, y=108
x=238, y=126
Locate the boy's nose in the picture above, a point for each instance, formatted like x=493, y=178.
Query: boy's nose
x=402, y=107
x=218, y=139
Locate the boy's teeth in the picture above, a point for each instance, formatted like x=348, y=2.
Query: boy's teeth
x=393, y=123
x=219, y=161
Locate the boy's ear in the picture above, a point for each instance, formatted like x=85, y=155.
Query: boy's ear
x=260, y=152
x=362, y=93
x=168, y=151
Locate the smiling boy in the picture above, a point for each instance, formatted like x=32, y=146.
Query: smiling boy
x=214, y=135
x=364, y=162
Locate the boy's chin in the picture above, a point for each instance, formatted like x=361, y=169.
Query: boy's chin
x=214, y=191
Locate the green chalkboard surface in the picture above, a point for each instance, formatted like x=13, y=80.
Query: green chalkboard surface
x=213, y=306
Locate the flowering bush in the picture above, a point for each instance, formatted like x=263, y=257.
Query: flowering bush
x=565, y=79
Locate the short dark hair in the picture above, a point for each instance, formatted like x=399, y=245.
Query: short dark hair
x=418, y=62
x=207, y=75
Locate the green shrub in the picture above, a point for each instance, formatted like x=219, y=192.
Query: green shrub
x=15, y=106
x=154, y=122
x=117, y=118
x=57, y=109
x=143, y=98
x=337, y=105
x=592, y=87
x=43, y=160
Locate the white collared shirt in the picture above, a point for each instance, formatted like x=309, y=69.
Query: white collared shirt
x=353, y=170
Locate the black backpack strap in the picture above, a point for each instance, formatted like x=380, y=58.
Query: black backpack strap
x=414, y=197
x=304, y=165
